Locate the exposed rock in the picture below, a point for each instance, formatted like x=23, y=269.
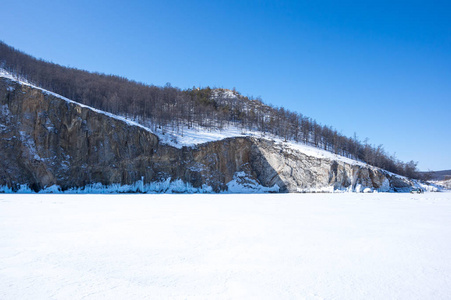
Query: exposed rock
x=446, y=183
x=46, y=140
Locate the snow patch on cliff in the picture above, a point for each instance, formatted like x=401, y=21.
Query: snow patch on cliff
x=31, y=146
x=243, y=183
x=5, y=74
x=190, y=137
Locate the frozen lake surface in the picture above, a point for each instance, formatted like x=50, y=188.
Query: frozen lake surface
x=276, y=246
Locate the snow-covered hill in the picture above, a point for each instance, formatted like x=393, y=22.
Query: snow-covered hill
x=189, y=137
x=76, y=147
x=444, y=183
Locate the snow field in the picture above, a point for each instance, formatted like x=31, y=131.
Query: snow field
x=270, y=246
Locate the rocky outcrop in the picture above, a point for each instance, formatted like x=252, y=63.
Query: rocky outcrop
x=444, y=183
x=47, y=140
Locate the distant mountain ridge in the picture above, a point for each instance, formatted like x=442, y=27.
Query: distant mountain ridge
x=440, y=175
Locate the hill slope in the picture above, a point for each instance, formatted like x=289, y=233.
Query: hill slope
x=171, y=109
x=48, y=141
x=441, y=175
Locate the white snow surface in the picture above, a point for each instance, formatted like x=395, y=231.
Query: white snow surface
x=278, y=246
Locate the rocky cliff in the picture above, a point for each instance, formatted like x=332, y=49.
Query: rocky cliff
x=47, y=140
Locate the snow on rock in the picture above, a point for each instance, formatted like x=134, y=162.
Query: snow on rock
x=5, y=74
x=427, y=186
x=190, y=137
x=243, y=183
x=446, y=183
x=224, y=93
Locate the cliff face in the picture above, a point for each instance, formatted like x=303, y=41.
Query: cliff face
x=46, y=140
x=295, y=171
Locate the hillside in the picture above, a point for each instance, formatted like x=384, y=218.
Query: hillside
x=442, y=178
x=445, y=183
x=51, y=143
x=177, y=112
x=441, y=175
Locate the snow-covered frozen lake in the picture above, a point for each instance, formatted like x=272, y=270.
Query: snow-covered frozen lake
x=272, y=246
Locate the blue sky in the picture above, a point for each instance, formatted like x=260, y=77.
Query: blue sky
x=381, y=69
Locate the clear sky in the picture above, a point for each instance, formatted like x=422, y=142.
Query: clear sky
x=381, y=69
